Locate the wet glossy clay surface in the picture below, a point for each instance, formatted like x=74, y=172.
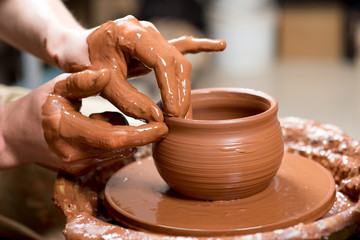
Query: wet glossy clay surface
x=119, y=50
x=232, y=148
x=302, y=191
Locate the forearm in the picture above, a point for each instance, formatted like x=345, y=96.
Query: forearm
x=21, y=136
x=2, y=141
x=36, y=26
x=7, y=153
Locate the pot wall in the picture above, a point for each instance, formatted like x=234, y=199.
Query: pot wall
x=234, y=153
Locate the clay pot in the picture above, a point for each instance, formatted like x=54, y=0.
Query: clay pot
x=232, y=148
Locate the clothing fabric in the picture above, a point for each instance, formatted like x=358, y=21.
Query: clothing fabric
x=11, y=93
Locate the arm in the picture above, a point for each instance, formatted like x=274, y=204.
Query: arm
x=10, y=143
x=47, y=30
x=17, y=136
x=42, y=28
x=49, y=118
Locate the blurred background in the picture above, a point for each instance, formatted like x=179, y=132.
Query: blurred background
x=304, y=53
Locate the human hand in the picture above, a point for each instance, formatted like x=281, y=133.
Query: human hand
x=49, y=117
x=129, y=48
x=115, y=45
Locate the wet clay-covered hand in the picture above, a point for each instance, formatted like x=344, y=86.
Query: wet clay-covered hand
x=81, y=141
x=130, y=48
x=49, y=117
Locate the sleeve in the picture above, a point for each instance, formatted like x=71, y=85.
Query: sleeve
x=11, y=93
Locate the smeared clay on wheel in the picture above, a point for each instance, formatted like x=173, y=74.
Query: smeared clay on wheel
x=80, y=200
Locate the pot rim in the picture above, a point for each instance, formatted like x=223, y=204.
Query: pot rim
x=245, y=120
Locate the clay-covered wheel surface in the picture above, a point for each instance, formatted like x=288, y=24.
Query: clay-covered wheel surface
x=302, y=191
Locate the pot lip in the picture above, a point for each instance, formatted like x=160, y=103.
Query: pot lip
x=250, y=119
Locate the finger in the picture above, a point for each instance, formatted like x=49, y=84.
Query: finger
x=155, y=52
x=83, y=164
x=189, y=114
x=175, y=88
x=132, y=103
x=169, y=86
x=78, y=129
x=164, y=59
x=183, y=72
x=114, y=118
x=148, y=25
x=83, y=84
x=187, y=44
x=79, y=152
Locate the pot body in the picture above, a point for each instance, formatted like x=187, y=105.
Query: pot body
x=232, y=148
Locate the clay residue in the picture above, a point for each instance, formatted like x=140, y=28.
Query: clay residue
x=117, y=51
x=129, y=48
x=104, y=52
x=74, y=137
x=78, y=199
x=329, y=146
x=140, y=199
x=81, y=224
x=342, y=203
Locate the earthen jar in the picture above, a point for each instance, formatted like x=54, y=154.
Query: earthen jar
x=230, y=149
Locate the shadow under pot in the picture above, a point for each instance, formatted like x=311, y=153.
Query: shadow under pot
x=231, y=149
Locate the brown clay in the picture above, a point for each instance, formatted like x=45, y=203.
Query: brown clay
x=302, y=191
x=232, y=148
x=174, y=101
x=329, y=146
x=118, y=45
x=119, y=50
x=342, y=221
x=80, y=142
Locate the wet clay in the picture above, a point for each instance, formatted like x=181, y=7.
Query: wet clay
x=330, y=147
x=117, y=51
x=302, y=191
x=89, y=221
x=232, y=148
x=129, y=48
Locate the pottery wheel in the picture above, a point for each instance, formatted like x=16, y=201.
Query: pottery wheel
x=137, y=197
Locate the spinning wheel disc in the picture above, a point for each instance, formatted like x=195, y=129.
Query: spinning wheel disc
x=302, y=191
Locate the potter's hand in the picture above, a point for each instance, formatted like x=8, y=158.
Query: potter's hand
x=129, y=48
x=49, y=117
x=80, y=141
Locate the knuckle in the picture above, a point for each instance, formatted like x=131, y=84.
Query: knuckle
x=130, y=18
x=147, y=24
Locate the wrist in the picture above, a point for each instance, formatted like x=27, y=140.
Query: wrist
x=2, y=141
x=8, y=157
x=66, y=48
x=21, y=130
